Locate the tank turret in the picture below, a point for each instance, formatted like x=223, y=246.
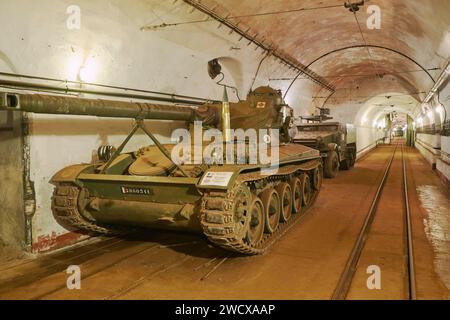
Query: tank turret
x=263, y=109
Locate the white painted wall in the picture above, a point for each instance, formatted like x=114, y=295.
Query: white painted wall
x=445, y=144
x=436, y=148
x=431, y=140
x=364, y=101
x=367, y=132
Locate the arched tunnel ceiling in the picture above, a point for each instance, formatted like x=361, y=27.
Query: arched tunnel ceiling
x=419, y=30
x=378, y=106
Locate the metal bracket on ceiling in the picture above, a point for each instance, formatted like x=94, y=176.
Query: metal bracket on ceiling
x=353, y=7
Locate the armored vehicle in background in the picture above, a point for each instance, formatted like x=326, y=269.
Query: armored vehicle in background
x=398, y=131
x=335, y=141
x=238, y=206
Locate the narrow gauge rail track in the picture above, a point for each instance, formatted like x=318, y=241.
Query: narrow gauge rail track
x=345, y=281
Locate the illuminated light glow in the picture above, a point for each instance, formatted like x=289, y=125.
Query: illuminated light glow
x=430, y=115
x=86, y=74
x=381, y=124
x=364, y=120
x=81, y=67
x=88, y=71
x=73, y=67
x=441, y=111
x=420, y=121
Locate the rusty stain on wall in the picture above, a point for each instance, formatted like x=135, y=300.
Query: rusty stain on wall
x=54, y=241
x=29, y=195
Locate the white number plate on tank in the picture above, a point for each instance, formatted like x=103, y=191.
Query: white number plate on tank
x=219, y=179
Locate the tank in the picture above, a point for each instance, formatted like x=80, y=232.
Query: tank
x=242, y=206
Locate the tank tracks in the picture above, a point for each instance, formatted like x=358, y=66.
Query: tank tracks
x=65, y=209
x=217, y=215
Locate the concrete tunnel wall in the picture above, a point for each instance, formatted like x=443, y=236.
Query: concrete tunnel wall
x=110, y=48
x=12, y=218
x=434, y=146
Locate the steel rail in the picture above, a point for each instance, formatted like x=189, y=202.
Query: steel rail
x=89, y=275
x=54, y=260
x=408, y=236
x=346, y=278
x=347, y=275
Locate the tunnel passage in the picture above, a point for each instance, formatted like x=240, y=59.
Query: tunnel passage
x=380, y=67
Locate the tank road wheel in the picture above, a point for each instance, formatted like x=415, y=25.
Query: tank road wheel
x=345, y=164
x=285, y=192
x=353, y=158
x=256, y=224
x=234, y=220
x=241, y=214
x=297, y=195
x=272, y=209
x=317, y=178
x=306, y=190
x=331, y=164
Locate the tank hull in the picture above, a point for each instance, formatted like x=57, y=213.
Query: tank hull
x=157, y=202
x=153, y=202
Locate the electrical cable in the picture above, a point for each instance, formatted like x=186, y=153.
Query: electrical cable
x=164, y=25
x=361, y=46
x=363, y=38
x=236, y=91
x=394, y=95
x=259, y=66
x=359, y=75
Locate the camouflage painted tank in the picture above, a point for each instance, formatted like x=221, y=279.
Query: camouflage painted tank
x=234, y=205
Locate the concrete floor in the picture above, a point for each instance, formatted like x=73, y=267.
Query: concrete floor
x=305, y=264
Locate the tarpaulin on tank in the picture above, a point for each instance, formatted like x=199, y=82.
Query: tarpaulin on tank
x=151, y=162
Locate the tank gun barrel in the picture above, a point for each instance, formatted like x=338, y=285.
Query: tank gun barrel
x=51, y=104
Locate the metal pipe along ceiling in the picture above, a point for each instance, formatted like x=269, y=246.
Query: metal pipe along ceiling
x=175, y=99
x=293, y=64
